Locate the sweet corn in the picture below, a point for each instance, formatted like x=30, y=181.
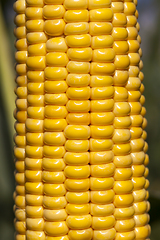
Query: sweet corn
x=80, y=150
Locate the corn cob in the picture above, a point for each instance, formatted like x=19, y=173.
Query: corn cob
x=55, y=88
x=20, y=115
x=35, y=120
x=80, y=144
x=77, y=132
x=123, y=186
x=102, y=91
x=138, y=135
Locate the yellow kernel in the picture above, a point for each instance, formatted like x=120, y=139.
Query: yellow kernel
x=139, y=195
x=117, y=7
x=79, y=222
x=132, y=33
x=56, y=99
x=119, y=33
x=35, y=3
x=55, y=86
x=122, y=149
x=123, y=187
x=77, y=158
x=103, y=55
x=120, y=78
x=101, y=157
x=123, y=174
x=56, y=2
x=54, y=27
x=75, y=209
x=104, y=234
x=121, y=62
x=101, y=14
x=54, y=190
x=35, y=25
x=102, y=210
x=19, y=7
x=78, y=93
x=100, y=28
x=80, y=54
x=94, y=4
x=56, y=228
x=77, y=145
x=37, y=49
x=83, y=40
x=73, y=4
x=20, y=32
x=34, y=138
x=56, y=59
x=77, y=132
x=141, y=220
x=79, y=185
x=100, y=223
x=55, y=73
x=40, y=235
x=35, y=76
x=101, y=184
x=36, y=63
x=53, y=11
x=78, y=67
x=142, y=231
x=20, y=227
x=102, y=105
x=21, y=44
x=56, y=44
x=119, y=20
x=35, y=112
x=35, y=88
x=55, y=215
x=122, y=235
x=100, y=144
x=54, y=202
x=19, y=20
x=85, y=233
x=121, y=136
x=103, y=41
x=34, y=12
x=101, y=131
x=102, y=118
x=54, y=138
x=36, y=37
x=121, y=109
x=35, y=100
x=129, y=8
x=76, y=16
x=120, y=94
x=76, y=28
x=102, y=197
x=53, y=177
x=120, y=47
x=54, y=152
x=34, y=125
x=131, y=21
x=78, y=118
x=102, y=68
x=101, y=81
x=77, y=171
x=125, y=200
x=124, y=213
x=78, y=197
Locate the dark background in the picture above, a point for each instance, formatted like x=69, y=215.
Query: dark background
x=149, y=19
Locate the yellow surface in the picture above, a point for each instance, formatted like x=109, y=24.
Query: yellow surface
x=80, y=153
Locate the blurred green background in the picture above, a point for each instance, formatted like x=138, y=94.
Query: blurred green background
x=149, y=19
